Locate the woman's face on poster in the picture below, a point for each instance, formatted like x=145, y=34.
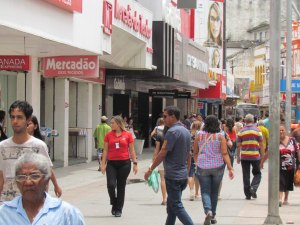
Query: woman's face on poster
x=216, y=58
x=215, y=23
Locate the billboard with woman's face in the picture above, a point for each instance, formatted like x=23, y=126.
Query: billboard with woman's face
x=209, y=30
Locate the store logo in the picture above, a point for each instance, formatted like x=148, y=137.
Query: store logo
x=15, y=63
x=74, y=66
x=133, y=20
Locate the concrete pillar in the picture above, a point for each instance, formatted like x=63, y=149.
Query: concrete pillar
x=49, y=112
x=97, y=112
x=33, y=87
x=61, y=120
x=84, y=120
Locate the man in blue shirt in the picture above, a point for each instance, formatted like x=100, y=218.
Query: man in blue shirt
x=175, y=153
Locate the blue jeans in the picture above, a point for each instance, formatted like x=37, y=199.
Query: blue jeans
x=210, y=180
x=174, y=205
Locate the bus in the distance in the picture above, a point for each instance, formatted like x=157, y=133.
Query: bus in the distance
x=242, y=109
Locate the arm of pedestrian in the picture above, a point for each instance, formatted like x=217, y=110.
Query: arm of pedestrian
x=104, y=157
x=225, y=156
x=238, y=153
x=262, y=149
x=161, y=155
x=196, y=148
x=156, y=151
x=57, y=189
x=133, y=157
x=263, y=159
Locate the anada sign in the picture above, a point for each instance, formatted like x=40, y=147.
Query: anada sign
x=71, y=66
x=15, y=62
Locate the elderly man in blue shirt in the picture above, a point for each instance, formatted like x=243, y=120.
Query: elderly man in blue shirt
x=35, y=206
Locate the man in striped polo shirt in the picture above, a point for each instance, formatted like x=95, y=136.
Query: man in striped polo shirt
x=249, y=153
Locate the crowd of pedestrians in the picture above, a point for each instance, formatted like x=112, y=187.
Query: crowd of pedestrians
x=194, y=152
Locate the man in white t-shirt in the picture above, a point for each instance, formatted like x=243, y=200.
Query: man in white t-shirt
x=21, y=142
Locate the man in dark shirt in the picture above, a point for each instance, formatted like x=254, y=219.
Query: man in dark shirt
x=175, y=153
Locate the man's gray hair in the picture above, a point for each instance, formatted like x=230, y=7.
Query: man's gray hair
x=261, y=123
x=249, y=118
x=38, y=160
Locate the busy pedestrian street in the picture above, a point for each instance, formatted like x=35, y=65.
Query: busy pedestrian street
x=85, y=187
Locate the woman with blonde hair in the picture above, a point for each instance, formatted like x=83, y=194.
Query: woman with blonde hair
x=192, y=180
x=116, y=162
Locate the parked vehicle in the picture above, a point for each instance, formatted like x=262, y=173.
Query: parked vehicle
x=242, y=109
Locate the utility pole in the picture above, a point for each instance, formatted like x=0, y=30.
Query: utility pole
x=288, y=67
x=273, y=217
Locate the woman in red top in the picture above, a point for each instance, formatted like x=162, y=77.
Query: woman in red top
x=118, y=144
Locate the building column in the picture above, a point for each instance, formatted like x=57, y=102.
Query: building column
x=84, y=119
x=97, y=112
x=33, y=87
x=61, y=120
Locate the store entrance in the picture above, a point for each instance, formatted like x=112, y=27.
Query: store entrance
x=121, y=104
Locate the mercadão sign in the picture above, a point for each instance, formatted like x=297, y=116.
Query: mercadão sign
x=71, y=66
x=15, y=62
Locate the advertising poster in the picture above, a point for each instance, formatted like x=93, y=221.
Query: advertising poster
x=209, y=30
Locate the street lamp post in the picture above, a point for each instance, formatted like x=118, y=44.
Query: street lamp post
x=273, y=217
x=288, y=65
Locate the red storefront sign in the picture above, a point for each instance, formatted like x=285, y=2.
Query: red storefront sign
x=69, y=5
x=71, y=66
x=15, y=62
x=133, y=20
x=98, y=80
x=107, y=17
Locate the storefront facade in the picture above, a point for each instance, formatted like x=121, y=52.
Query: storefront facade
x=53, y=97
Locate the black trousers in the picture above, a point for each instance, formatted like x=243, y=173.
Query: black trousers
x=246, y=164
x=117, y=172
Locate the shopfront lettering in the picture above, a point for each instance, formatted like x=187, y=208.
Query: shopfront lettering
x=82, y=64
x=196, y=63
x=133, y=20
x=71, y=66
x=15, y=63
x=119, y=84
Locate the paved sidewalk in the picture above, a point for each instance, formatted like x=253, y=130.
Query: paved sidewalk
x=85, y=187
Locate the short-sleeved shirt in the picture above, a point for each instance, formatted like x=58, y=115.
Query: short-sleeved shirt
x=178, y=149
x=265, y=134
x=267, y=123
x=118, y=147
x=100, y=132
x=9, y=153
x=54, y=212
x=249, y=137
x=287, y=154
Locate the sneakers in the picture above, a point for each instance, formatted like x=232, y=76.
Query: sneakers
x=208, y=218
x=113, y=211
x=213, y=221
x=253, y=193
x=118, y=213
x=248, y=198
x=192, y=195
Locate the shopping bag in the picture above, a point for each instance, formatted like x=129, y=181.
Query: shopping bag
x=153, y=180
x=297, y=178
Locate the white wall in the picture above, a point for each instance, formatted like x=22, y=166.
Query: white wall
x=50, y=22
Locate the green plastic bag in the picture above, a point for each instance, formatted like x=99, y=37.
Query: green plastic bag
x=153, y=180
